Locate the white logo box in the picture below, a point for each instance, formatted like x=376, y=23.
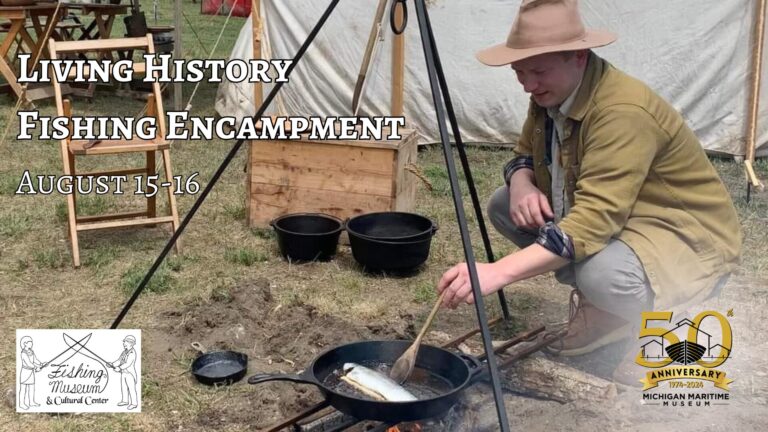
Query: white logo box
x=78, y=370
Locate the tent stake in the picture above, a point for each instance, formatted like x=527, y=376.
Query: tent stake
x=757, y=62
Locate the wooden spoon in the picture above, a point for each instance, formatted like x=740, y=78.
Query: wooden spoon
x=403, y=367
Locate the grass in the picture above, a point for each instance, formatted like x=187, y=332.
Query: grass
x=244, y=256
x=101, y=257
x=9, y=182
x=236, y=212
x=12, y=225
x=50, y=259
x=161, y=281
x=263, y=233
x=219, y=252
x=424, y=293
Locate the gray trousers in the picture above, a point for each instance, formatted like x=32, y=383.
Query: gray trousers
x=613, y=279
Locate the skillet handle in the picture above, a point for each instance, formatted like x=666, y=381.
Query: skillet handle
x=266, y=377
x=475, y=365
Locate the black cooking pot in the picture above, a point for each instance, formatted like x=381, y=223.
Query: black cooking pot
x=307, y=236
x=392, y=226
x=389, y=256
x=454, y=372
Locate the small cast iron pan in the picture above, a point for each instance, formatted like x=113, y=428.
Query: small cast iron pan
x=219, y=367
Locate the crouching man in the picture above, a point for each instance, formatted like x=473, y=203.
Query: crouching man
x=608, y=187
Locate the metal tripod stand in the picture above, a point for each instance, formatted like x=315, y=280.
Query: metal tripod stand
x=443, y=105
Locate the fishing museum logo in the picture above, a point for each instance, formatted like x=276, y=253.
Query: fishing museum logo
x=685, y=356
x=78, y=371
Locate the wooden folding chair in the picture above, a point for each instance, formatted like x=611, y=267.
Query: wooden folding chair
x=71, y=148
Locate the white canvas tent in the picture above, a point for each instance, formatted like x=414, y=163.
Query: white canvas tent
x=695, y=53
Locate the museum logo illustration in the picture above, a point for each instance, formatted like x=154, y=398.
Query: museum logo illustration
x=78, y=370
x=683, y=355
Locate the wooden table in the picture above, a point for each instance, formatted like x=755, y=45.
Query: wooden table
x=100, y=28
x=104, y=18
x=18, y=15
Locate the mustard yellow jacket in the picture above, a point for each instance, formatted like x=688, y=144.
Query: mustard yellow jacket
x=635, y=172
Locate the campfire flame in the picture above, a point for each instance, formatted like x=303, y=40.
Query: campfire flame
x=412, y=427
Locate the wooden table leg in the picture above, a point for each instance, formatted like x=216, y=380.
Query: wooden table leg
x=87, y=31
x=5, y=69
x=39, y=49
x=13, y=31
x=105, y=29
x=42, y=34
x=27, y=39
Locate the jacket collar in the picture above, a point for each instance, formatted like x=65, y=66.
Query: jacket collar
x=596, y=68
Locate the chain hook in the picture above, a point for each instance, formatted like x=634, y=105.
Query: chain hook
x=392, y=10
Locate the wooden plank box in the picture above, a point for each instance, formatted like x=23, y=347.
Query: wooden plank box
x=340, y=178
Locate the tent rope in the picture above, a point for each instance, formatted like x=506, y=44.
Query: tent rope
x=210, y=56
x=192, y=27
x=215, y=45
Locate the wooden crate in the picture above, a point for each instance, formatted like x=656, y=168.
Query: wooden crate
x=341, y=178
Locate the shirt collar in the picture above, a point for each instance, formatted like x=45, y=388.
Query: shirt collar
x=568, y=103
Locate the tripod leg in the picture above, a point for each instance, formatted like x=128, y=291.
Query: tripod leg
x=428, y=44
x=465, y=163
x=220, y=170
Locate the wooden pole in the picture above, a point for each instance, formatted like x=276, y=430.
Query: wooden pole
x=258, y=99
x=398, y=67
x=258, y=92
x=369, y=48
x=757, y=61
x=177, y=54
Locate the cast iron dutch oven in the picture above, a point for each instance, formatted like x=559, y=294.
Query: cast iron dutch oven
x=389, y=256
x=454, y=372
x=307, y=236
x=390, y=241
x=392, y=226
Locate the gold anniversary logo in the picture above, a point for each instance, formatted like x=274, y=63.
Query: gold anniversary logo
x=693, y=358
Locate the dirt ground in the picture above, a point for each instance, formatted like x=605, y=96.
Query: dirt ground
x=285, y=338
x=277, y=339
x=230, y=289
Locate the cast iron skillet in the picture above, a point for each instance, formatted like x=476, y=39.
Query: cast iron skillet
x=220, y=367
x=454, y=370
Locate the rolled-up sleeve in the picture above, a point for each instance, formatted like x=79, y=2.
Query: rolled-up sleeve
x=552, y=238
x=620, y=147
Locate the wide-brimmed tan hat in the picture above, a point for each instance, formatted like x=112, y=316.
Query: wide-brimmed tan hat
x=544, y=26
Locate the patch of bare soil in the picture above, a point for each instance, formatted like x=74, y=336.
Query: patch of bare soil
x=277, y=338
x=285, y=338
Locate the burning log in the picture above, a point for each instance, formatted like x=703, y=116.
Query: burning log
x=410, y=427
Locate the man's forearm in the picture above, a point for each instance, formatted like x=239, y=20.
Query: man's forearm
x=531, y=261
x=522, y=177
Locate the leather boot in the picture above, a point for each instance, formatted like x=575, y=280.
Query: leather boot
x=589, y=328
